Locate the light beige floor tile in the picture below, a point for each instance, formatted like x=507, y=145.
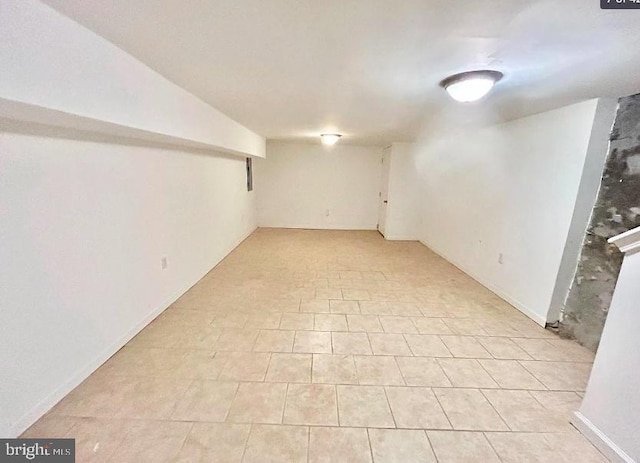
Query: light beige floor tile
x=466, y=373
x=378, y=370
x=274, y=341
x=509, y=374
x=555, y=350
x=469, y=410
x=426, y=345
x=417, y=408
x=465, y=346
x=462, y=447
x=573, y=447
x=334, y=369
x=388, y=344
x=503, y=348
x=152, y=441
x=422, y=371
x=328, y=294
x=426, y=325
x=219, y=442
x=364, y=323
x=330, y=322
x=277, y=444
x=292, y=278
x=296, y=321
x=561, y=448
x=560, y=376
x=315, y=305
x=404, y=309
x=97, y=439
x=373, y=275
x=50, y=427
x=464, y=327
x=150, y=398
x=289, y=368
x=143, y=361
x=205, y=401
x=264, y=321
x=434, y=310
x=400, y=446
x=398, y=325
x=243, y=366
x=344, y=307
x=364, y=406
x=350, y=275
x=522, y=412
x=311, y=404
x=351, y=343
x=355, y=295
x=199, y=364
x=236, y=340
x=375, y=308
x=258, y=403
x=561, y=402
x=230, y=320
x=312, y=342
x=329, y=445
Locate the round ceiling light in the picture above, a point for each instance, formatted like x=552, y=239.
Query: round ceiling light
x=470, y=86
x=330, y=139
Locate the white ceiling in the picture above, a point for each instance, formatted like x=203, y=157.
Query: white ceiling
x=291, y=69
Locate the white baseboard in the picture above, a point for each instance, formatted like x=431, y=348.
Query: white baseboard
x=56, y=396
x=511, y=300
x=600, y=440
x=400, y=238
x=359, y=227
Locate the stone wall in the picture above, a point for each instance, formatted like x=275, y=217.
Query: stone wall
x=617, y=209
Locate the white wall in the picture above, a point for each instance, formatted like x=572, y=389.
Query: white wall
x=510, y=191
x=83, y=227
x=404, y=196
x=309, y=186
x=57, y=71
x=610, y=412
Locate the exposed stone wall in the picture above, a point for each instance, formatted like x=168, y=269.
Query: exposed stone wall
x=617, y=209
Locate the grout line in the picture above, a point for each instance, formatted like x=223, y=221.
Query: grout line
x=393, y=417
x=496, y=410
x=484, y=434
x=370, y=446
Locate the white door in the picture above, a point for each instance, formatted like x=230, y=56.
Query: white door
x=384, y=190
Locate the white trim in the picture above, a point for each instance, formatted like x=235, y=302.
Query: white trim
x=599, y=439
x=33, y=415
x=401, y=238
x=627, y=242
x=514, y=302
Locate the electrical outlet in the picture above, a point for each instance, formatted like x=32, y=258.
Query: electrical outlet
x=327, y=213
x=500, y=259
x=163, y=263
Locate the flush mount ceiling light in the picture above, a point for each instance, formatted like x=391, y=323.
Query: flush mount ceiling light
x=330, y=139
x=470, y=86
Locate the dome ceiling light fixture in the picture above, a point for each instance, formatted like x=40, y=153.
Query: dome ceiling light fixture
x=467, y=87
x=330, y=139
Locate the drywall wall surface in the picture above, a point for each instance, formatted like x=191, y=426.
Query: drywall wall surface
x=84, y=225
x=310, y=186
x=587, y=193
x=403, y=218
x=498, y=201
x=53, y=67
x=617, y=209
x=611, y=405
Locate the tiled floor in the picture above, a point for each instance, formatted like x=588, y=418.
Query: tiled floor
x=328, y=346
